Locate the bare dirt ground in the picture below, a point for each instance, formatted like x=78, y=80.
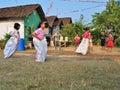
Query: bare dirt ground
x=96, y=54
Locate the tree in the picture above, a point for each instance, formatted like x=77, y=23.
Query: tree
x=109, y=18
x=71, y=30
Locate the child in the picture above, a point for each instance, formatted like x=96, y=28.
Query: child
x=77, y=40
x=83, y=46
x=102, y=38
x=110, y=43
x=13, y=42
x=40, y=43
x=90, y=37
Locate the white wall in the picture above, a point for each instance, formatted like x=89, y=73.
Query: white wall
x=8, y=26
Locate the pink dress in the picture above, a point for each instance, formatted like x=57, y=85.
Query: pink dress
x=40, y=33
x=110, y=41
x=86, y=34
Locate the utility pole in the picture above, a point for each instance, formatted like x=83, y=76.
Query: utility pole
x=16, y=2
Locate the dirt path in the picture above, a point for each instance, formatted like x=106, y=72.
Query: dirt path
x=96, y=54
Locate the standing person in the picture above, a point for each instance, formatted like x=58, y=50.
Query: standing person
x=77, y=40
x=13, y=42
x=83, y=46
x=90, y=37
x=110, y=43
x=103, y=40
x=56, y=39
x=40, y=43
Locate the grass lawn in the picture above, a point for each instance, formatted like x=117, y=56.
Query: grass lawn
x=58, y=73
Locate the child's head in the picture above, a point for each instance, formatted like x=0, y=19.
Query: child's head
x=17, y=26
x=77, y=35
x=57, y=32
x=42, y=25
x=89, y=33
x=87, y=29
x=102, y=32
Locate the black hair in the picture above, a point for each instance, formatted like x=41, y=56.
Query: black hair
x=16, y=26
x=103, y=31
x=42, y=23
x=86, y=28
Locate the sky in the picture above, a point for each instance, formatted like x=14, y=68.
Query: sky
x=63, y=8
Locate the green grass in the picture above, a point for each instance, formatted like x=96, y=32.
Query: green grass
x=22, y=73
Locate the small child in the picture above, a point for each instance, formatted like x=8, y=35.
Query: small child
x=90, y=37
x=77, y=40
x=110, y=43
x=13, y=42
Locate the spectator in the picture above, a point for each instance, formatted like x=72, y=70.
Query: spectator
x=56, y=39
x=90, y=37
x=110, y=43
x=103, y=40
x=77, y=40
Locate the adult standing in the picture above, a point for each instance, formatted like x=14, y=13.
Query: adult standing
x=56, y=40
x=83, y=46
x=40, y=43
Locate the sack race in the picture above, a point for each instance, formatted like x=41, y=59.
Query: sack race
x=10, y=47
x=41, y=48
x=83, y=47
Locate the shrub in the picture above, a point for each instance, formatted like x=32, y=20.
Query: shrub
x=71, y=30
x=117, y=42
x=96, y=37
x=2, y=43
x=7, y=37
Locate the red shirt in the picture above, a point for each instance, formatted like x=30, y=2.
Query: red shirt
x=77, y=39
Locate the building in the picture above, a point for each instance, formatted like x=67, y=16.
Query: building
x=54, y=24
x=29, y=17
x=66, y=20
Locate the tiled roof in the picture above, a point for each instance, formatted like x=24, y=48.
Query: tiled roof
x=21, y=11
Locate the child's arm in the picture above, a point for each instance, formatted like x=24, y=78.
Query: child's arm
x=14, y=34
x=34, y=35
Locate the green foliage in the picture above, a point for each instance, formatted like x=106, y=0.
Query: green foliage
x=117, y=42
x=30, y=29
x=109, y=18
x=2, y=43
x=71, y=30
x=78, y=27
x=68, y=31
x=96, y=36
x=7, y=36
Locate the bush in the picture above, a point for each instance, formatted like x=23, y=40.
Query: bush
x=71, y=30
x=2, y=43
x=117, y=42
x=96, y=37
x=7, y=37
